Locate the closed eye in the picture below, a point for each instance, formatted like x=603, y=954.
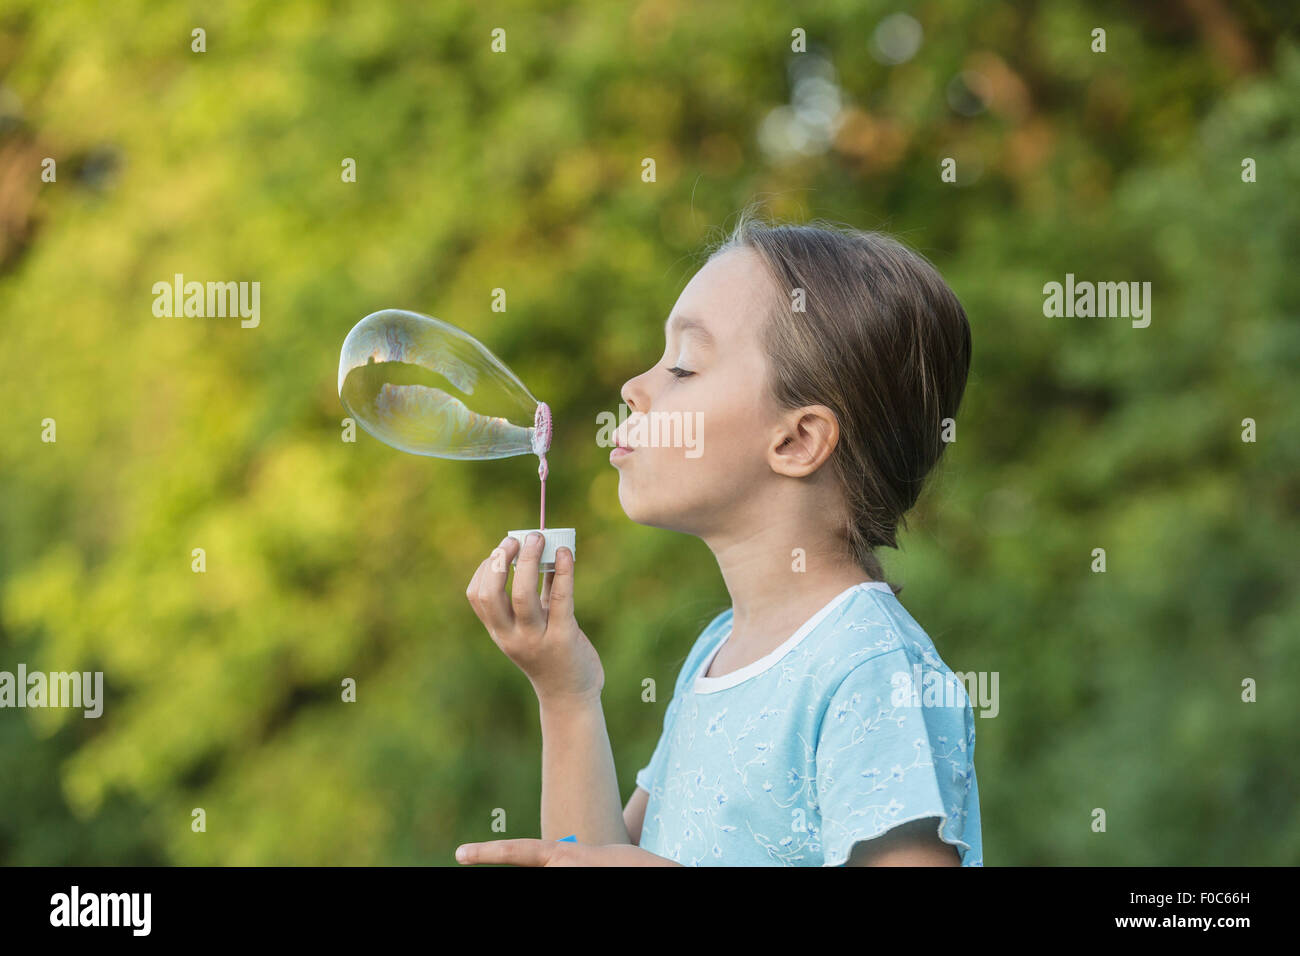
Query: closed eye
x=680, y=372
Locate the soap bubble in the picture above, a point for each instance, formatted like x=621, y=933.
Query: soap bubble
x=428, y=388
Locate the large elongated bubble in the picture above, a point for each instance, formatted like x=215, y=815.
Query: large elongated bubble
x=426, y=387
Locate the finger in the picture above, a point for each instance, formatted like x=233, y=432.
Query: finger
x=547, y=578
x=500, y=556
x=494, y=608
x=523, y=597
x=471, y=591
x=562, y=587
x=511, y=852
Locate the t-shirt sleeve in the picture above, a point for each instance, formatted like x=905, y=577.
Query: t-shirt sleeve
x=896, y=744
x=646, y=775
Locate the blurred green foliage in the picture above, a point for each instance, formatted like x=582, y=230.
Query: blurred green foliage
x=477, y=170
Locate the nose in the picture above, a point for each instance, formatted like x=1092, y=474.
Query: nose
x=633, y=393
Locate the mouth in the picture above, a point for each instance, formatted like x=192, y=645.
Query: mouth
x=620, y=451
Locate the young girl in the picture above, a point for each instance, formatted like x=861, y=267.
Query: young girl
x=821, y=367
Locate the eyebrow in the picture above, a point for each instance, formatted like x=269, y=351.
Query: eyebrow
x=685, y=323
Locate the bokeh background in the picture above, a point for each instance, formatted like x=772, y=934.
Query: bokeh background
x=523, y=170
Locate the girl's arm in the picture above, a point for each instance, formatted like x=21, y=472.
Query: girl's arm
x=915, y=843
x=543, y=639
x=579, y=784
x=634, y=814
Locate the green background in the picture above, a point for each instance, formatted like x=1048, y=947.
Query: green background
x=522, y=170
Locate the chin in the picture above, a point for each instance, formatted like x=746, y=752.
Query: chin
x=640, y=512
x=632, y=508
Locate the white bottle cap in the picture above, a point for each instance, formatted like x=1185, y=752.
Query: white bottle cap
x=554, y=538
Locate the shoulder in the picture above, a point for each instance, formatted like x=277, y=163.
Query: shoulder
x=876, y=647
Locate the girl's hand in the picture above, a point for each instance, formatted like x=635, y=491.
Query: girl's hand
x=540, y=635
x=558, y=853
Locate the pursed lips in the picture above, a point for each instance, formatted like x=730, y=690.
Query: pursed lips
x=621, y=442
x=620, y=449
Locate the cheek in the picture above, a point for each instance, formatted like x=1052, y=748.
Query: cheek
x=715, y=452
x=728, y=438
x=713, y=439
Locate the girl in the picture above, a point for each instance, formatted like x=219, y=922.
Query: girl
x=821, y=366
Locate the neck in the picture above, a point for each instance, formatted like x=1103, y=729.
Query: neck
x=775, y=587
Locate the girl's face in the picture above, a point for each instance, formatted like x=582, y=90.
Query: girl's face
x=701, y=421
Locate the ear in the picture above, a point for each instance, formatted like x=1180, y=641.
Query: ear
x=804, y=440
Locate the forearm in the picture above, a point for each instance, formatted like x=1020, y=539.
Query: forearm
x=579, y=785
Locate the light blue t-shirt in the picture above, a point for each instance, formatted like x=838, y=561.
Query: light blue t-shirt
x=852, y=726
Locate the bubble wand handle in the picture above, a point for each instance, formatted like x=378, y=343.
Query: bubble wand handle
x=541, y=445
x=559, y=537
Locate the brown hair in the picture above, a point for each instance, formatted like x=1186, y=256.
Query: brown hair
x=881, y=341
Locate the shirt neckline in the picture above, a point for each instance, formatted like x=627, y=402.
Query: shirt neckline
x=708, y=685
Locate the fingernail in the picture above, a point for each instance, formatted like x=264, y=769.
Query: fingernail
x=534, y=537
x=461, y=854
